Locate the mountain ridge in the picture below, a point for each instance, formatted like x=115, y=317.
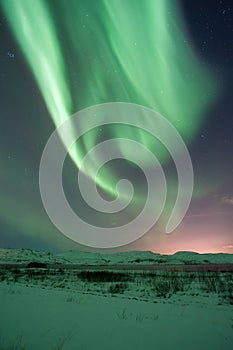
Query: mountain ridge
x=25, y=255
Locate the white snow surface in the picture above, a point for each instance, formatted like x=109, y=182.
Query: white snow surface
x=58, y=319
x=53, y=309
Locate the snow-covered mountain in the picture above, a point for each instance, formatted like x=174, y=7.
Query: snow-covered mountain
x=132, y=257
x=27, y=255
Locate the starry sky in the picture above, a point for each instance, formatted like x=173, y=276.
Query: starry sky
x=184, y=71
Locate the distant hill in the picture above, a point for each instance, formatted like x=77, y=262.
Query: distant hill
x=132, y=257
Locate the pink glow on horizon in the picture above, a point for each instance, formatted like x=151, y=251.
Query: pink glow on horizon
x=200, y=236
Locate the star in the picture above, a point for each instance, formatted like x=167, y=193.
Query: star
x=10, y=54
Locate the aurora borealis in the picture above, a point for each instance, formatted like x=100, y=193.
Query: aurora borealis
x=177, y=89
x=76, y=54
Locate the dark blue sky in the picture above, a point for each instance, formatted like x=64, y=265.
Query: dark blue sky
x=26, y=126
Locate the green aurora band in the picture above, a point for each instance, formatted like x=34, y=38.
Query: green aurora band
x=84, y=53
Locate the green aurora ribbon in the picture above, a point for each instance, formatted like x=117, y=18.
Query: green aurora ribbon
x=84, y=53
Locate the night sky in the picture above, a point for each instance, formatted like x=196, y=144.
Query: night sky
x=58, y=57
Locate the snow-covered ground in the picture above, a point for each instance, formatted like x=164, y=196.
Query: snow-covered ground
x=133, y=257
x=36, y=318
x=71, y=309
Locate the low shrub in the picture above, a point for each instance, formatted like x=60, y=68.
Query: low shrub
x=118, y=288
x=103, y=276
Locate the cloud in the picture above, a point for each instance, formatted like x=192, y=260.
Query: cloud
x=206, y=215
x=228, y=246
x=190, y=216
x=227, y=200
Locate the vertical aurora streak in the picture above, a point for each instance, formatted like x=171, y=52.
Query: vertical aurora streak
x=83, y=53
